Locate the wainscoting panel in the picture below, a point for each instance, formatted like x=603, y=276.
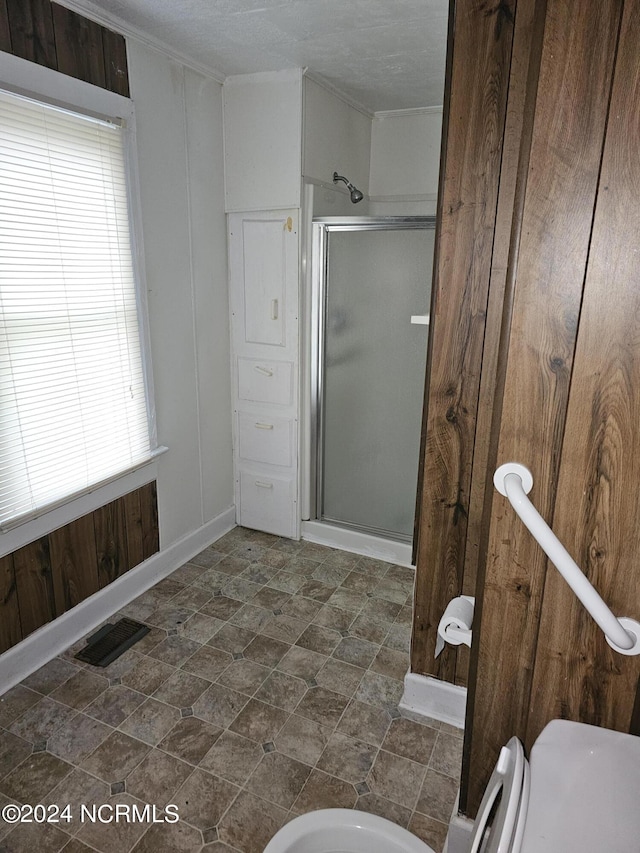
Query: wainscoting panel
x=10, y=630
x=55, y=573
x=34, y=582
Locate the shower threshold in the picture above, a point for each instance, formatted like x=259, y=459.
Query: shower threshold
x=346, y=539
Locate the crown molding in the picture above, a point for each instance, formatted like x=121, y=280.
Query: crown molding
x=294, y=74
x=415, y=111
x=338, y=93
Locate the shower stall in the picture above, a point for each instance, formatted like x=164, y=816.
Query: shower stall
x=371, y=292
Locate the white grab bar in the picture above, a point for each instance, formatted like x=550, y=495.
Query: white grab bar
x=514, y=481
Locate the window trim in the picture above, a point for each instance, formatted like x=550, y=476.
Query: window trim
x=45, y=85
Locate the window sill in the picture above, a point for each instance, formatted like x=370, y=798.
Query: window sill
x=26, y=530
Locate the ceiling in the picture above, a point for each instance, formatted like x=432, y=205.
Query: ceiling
x=382, y=54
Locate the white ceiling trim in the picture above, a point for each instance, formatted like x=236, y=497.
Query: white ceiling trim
x=415, y=111
x=325, y=84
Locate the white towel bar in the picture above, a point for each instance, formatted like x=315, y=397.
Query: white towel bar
x=514, y=481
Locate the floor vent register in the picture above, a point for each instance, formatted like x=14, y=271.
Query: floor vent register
x=111, y=641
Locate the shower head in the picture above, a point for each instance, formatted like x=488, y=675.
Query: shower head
x=354, y=192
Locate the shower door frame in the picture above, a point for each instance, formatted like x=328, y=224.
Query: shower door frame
x=322, y=226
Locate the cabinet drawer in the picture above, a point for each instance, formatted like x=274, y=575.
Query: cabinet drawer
x=265, y=381
x=266, y=439
x=267, y=503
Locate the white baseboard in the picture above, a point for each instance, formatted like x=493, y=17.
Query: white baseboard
x=359, y=543
x=54, y=637
x=430, y=697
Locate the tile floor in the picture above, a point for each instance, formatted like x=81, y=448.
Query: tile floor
x=268, y=686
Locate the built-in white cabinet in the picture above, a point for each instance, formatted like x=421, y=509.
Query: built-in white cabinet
x=263, y=278
x=263, y=140
x=269, y=153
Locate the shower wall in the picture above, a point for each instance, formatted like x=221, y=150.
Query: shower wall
x=335, y=137
x=405, y=158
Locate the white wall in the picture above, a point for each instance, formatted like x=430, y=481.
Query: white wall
x=180, y=159
x=336, y=138
x=405, y=161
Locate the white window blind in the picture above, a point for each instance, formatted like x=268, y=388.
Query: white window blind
x=73, y=402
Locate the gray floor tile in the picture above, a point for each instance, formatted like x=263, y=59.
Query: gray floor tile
x=268, y=686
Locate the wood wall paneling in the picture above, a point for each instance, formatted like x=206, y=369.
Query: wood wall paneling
x=566, y=147
x=63, y=568
x=5, y=32
x=527, y=44
x=79, y=47
x=141, y=512
x=149, y=516
x=74, y=563
x=34, y=580
x=476, y=114
x=10, y=629
x=32, y=35
x=577, y=675
x=116, y=74
x=49, y=34
x=110, y=528
x=133, y=521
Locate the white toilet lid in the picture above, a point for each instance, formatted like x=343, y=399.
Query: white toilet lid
x=585, y=791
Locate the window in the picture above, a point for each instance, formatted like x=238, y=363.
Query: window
x=75, y=407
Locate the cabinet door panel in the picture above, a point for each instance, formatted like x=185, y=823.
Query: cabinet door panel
x=264, y=258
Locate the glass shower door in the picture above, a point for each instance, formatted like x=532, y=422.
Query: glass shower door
x=373, y=366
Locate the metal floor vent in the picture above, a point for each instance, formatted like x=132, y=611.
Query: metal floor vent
x=111, y=641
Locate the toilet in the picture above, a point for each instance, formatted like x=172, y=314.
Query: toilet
x=578, y=794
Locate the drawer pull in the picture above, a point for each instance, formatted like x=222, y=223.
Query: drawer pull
x=258, y=425
x=274, y=309
x=263, y=370
x=262, y=485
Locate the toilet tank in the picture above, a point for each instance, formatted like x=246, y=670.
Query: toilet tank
x=585, y=791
